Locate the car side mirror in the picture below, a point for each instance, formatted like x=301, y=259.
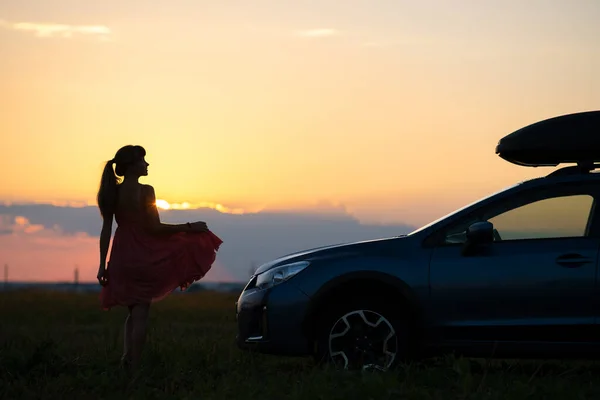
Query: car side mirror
x=478, y=234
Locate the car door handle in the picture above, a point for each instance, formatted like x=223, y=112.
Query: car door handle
x=573, y=260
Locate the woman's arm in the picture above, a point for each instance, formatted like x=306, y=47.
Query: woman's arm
x=105, y=235
x=153, y=223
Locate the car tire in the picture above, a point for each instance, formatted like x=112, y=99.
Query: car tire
x=362, y=334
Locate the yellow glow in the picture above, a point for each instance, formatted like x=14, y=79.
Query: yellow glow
x=395, y=122
x=162, y=204
x=219, y=207
x=165, y=205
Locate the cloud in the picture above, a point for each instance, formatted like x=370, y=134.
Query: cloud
x=47, y=252
x=249, y=239
x=15, y=225
x=45, y=30
x=318, y=33
x=163, y=204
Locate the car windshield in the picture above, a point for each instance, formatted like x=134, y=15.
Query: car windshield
x=462, y=209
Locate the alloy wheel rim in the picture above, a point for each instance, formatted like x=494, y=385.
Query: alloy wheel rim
x=363, y=339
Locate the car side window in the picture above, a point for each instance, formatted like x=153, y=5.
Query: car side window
x=555, y=217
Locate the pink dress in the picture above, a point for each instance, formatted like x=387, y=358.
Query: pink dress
x=145, y=268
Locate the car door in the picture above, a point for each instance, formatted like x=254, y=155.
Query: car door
x=535, y=282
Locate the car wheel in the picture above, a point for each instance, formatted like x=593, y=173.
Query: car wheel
x=363, y=335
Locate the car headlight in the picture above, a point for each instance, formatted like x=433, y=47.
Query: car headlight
x=276, y=275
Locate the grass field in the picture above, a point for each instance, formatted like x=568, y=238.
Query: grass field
x=60, y=345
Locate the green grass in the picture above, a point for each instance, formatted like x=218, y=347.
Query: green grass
x=61, y=345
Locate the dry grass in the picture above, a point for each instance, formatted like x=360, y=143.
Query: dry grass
x=61, y=345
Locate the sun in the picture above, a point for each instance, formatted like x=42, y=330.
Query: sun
x=165, y=205
x=162, y=204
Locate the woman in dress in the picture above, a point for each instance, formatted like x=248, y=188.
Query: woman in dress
x=148, y=259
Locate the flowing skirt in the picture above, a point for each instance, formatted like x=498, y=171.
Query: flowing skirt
x=145, y=268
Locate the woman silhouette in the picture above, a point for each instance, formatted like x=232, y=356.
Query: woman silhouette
x=148, y=259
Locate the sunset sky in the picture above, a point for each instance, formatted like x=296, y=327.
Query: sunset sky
x=389, y=108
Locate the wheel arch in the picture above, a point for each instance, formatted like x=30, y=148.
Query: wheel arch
x=386, y=287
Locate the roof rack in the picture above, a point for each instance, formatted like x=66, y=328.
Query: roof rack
x=580, y=168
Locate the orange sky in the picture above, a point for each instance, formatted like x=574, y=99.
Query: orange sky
x=391, y=108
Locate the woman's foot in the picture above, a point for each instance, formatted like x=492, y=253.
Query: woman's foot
x=125, y=363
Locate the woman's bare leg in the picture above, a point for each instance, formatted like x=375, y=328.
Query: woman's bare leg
x=139, y=316
x=126, y=359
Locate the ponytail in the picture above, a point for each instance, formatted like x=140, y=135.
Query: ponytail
x=107, y=194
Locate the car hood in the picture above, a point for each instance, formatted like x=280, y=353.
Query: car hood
x=330, y=250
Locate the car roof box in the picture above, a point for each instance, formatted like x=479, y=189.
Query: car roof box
x=571, y=138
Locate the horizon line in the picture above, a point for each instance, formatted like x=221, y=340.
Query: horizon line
x=91, y=282
x=163, y=205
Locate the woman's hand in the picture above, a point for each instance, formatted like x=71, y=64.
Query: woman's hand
x=102, y=278
x=199, y=226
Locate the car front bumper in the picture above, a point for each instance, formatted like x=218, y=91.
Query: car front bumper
x=270, y=321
